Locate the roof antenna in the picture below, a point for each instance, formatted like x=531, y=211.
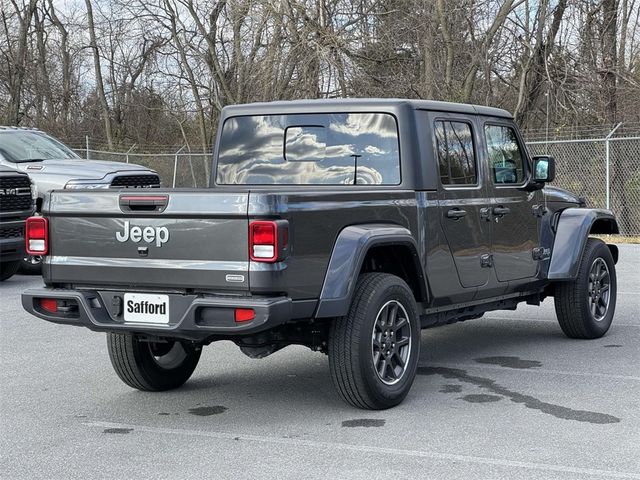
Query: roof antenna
x=355, y=167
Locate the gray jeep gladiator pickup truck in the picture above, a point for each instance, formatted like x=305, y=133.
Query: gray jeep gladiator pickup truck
x=16, y=205
x=342, y=225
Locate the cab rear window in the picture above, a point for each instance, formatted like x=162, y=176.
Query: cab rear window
x=300, y=149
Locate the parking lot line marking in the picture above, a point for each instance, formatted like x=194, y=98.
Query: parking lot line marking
x=520, y=319
x=372, y=449
x=535, y=370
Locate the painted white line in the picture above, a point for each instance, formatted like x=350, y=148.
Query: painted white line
x=523, y=319
x=373, y=449
x=534, y=370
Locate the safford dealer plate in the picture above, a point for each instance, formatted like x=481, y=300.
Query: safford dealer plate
x=146, y=308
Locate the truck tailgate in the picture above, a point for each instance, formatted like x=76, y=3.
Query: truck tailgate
x=161, y=238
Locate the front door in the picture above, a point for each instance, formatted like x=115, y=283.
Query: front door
x=514, y=210
x=463, y=203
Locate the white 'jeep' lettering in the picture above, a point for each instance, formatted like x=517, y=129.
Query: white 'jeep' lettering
x=159, y=235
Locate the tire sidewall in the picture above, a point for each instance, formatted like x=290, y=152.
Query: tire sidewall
x=393, y=288
x=165, y=378
x=600, y=250
x=29, y=268
x=8, y=269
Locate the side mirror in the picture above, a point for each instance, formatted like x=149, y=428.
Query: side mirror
x=544, y=168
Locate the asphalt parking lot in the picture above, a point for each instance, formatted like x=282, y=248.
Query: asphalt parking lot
x=506, y=396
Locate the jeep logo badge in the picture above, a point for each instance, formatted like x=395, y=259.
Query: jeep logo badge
x=157, y=235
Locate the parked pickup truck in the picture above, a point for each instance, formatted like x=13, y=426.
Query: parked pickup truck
x=342, y=225
x=16, y=205
x=52, y=165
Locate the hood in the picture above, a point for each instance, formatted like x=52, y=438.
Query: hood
x=556, y=194
x=7, y=170
x=77, y=169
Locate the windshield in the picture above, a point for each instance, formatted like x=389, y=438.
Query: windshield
x=28, y=146
x=301, y=149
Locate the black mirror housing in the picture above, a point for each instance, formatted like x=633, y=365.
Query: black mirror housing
x=544, y=169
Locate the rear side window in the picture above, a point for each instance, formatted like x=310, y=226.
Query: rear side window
x=300, y=149
x=506, y=159
x=456, y=153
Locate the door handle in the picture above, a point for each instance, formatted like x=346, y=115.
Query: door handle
x=501, y=211
x=456, y=213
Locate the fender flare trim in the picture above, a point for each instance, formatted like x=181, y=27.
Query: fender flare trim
x=347, y=257
x=572, y=232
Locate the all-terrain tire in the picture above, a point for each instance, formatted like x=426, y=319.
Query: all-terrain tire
x=580, y=304
x=8, y=269
x=31, y=265
x=150, y=366
x=355, y=342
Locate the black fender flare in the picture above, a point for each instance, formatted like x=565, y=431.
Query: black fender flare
x=346, y=260
x=573, y=229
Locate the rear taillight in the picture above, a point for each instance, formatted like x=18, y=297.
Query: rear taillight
x=268, y=240
x=263, y=241
x=37, y=236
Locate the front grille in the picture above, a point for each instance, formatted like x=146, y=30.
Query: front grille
x=15, y=193
x=136, y=181
x=11, y=232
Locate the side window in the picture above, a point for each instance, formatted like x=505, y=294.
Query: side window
x=506, y=159
x=456, y=153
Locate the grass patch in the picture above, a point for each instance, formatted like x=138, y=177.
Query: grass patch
x=619, y=238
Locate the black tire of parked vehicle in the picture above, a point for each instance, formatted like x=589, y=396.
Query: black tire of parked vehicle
x=354, y=342
x=31, y=265
x=149, y=366
x=586, y=305
x=8, y=269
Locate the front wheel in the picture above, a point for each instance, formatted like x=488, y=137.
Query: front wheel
x=585, y=306
x=374, y=349
x=152, y=366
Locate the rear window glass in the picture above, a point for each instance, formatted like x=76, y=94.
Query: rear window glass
x=328, y=149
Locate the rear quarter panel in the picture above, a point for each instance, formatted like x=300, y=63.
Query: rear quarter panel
x=316, y=217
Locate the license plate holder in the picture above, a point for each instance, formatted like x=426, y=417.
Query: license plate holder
x=146, y=308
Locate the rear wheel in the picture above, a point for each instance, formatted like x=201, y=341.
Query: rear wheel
x=31, y=265
x=8, y=269
x=151, y=366
x=585, y=306
x=374, y=350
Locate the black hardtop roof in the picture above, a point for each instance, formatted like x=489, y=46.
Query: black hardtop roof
x=305, y=106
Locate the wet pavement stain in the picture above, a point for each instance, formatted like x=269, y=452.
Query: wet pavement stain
x=528, y=401
x=207, y=411
x=510, y=362
x=121, y=431
x=481, y=398
x=612, y=346
x=451, y=388
x=363, y=422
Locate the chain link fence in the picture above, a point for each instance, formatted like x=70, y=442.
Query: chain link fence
x=179, y=169
x=605, y=171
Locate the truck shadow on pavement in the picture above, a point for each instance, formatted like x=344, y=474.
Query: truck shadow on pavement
x=302, y=378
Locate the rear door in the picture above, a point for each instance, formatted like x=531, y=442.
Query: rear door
x=172, y=239
x=463, y=202
x=515, y=224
